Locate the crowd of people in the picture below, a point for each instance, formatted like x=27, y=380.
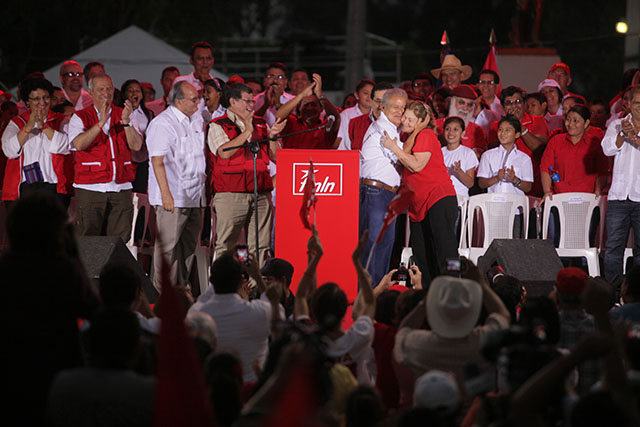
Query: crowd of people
x=444, y=350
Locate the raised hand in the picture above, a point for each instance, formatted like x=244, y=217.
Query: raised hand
x=317, y=81
x=127, y=110
x=276, y=128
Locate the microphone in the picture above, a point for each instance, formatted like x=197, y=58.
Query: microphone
x=330, y=121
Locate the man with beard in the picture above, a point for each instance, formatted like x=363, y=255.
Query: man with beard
x=71, y=79
x=310, y=103
x=379, y=181
x=461, y=104
x=534, y=136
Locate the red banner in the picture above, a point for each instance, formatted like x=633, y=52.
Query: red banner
x=336, y=187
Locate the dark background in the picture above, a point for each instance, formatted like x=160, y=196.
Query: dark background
x=38, y=34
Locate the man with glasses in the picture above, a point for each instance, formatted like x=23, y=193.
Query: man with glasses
x=103, y=138
x=233, y=173
x=534, y=136
x=176, y=182
x=274, y=96
x=488, y=108
x=71, y=79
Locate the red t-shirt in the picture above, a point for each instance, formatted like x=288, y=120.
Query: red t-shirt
x=433, y=182
x=577, y=164
x=357, y=129
x=537, y=125
x=474, y=136
x=317, y=140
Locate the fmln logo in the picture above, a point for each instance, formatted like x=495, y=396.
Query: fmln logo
x=328, y=178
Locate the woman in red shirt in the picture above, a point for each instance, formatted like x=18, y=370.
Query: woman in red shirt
x=433, y=207
x=575, y=155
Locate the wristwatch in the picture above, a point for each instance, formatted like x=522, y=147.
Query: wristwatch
x=517, y=184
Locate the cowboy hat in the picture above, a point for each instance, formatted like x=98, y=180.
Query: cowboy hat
x=452, y=61
x=453, y=306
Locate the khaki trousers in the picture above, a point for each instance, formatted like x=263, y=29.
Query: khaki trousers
x=176, y=242
x=235, y=212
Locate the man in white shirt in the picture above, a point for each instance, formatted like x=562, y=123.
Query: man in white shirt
x=71, y=78
x=103, y=138
x=243, y=326
x=623, y=204
x=176, y=181
x=267, y=103
x=379, y=181
x=365, y=102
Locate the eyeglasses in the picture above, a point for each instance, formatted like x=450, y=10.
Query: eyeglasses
x=423, y=84
x=73, y=74
x=248, y=101
x=512, y=102
x=486, y=82
x=40, y=98
x=276, y=76
x=377, y=100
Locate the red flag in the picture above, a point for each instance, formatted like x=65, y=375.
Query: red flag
x=181, y=395
x=396, y=206
x=309, y=199
x=492, y=64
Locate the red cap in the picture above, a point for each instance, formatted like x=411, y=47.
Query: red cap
x=146, y=85
x=571, y=280
x=235, y=79
x=562, y=65
x=464, y=91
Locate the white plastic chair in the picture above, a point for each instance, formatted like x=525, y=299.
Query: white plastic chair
x=499, y=211
x=575, y=211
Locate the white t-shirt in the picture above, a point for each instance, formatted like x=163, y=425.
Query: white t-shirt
x=495, y=159
x=468, y=160
x=180, y=140
x=355, y=346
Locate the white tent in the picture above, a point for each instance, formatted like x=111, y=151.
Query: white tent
x=132, y=54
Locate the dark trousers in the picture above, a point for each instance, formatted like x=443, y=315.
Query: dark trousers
x=433, y=239
x=104, y=214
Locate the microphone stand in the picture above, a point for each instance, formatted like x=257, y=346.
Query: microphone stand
x=254, y=147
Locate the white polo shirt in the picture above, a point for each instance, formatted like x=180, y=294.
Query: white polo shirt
x=493, y=160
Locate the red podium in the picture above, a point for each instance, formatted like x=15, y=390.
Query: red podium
x=337, y=185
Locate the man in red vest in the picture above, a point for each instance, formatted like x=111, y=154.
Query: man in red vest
x=233, y=172
x=103, y=139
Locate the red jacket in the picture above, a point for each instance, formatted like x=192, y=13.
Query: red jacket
x=95, y=163
x=235, y=174
x=62, y=164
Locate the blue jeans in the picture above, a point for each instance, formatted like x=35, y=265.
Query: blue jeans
x=373, y=206
x=621, y=216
